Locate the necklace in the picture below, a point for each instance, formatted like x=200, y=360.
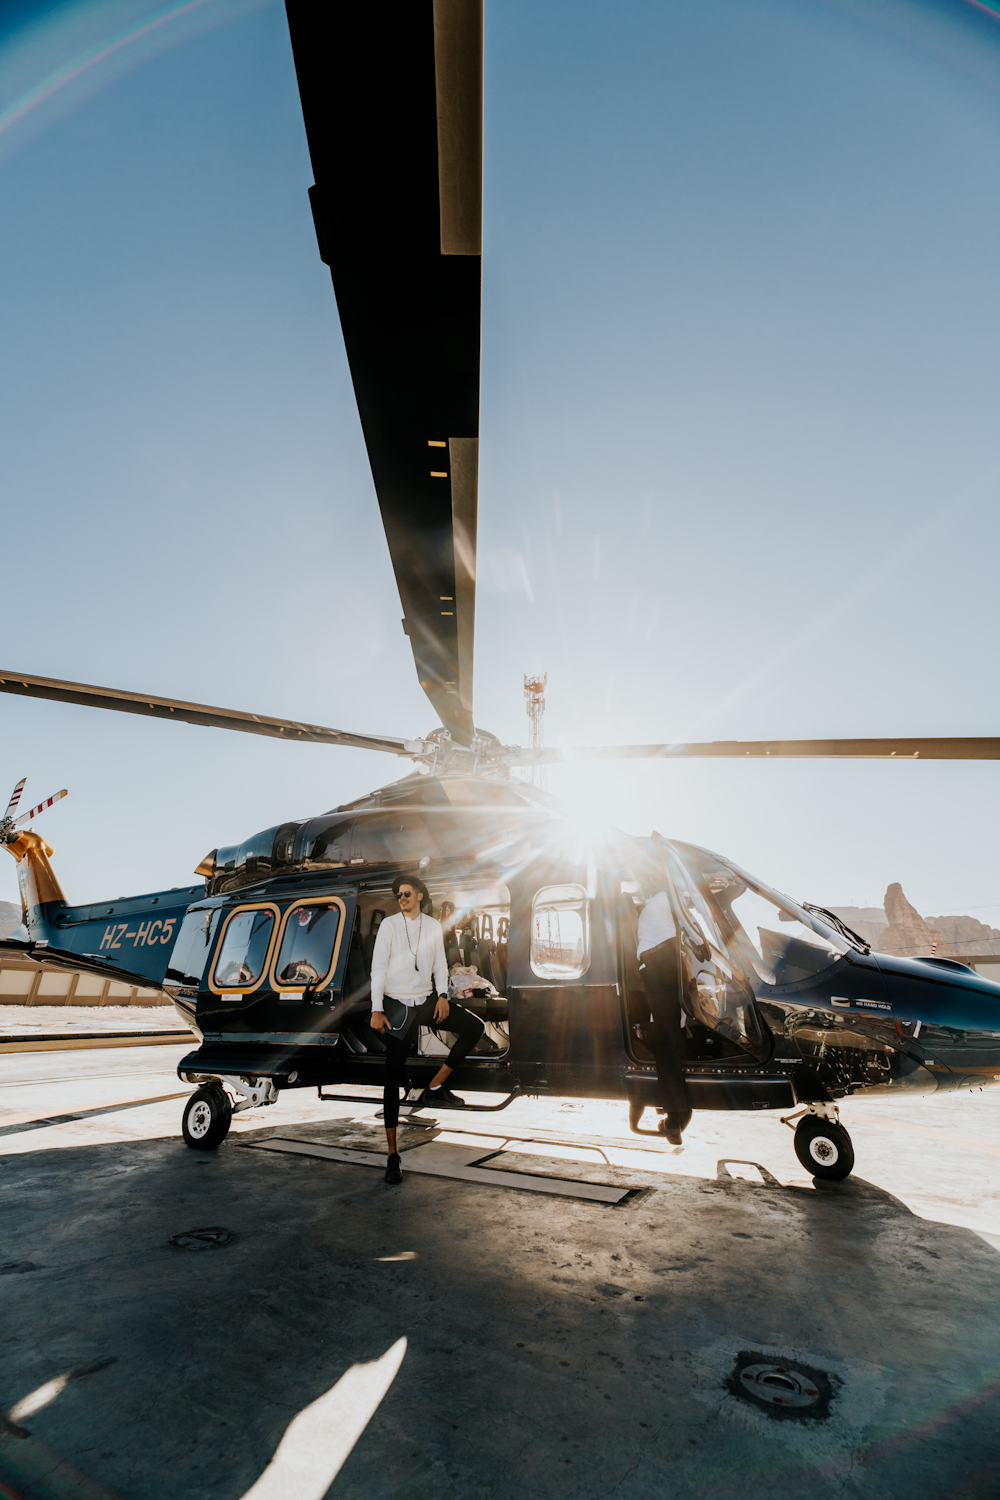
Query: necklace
x=414, y=952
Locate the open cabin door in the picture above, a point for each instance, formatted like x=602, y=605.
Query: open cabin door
x=718, y=1002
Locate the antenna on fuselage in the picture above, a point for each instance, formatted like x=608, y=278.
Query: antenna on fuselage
x=534, y=697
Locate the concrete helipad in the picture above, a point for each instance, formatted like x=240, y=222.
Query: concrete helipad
x=470, y=1337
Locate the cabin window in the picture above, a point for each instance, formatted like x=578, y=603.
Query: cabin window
x=560, y=932
x=245, y=946
x=191, y=950
x=308, y=940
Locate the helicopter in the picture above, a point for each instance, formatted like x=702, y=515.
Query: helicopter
x=267, y=955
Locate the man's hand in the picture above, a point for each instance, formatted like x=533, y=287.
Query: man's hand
x=441, y=1010
x=380, y=1021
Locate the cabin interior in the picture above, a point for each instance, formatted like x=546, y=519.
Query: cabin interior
x=475, y=918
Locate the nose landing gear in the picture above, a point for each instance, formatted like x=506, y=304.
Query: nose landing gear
x=822, y=1144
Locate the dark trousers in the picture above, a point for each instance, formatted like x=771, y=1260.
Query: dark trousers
x=659, y=969
x=404, y=1020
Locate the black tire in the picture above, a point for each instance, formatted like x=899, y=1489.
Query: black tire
x=824, y=1149
x=207, y=1117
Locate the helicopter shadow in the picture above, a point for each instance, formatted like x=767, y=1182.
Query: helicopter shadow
x=514, y=1307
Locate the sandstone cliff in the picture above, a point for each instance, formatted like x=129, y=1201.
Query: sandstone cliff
x=900, y=929
x=867, y=921
x=966, y=935
x=907, y=934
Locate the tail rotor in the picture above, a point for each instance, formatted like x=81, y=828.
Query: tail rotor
x=15, y=798
x=8, y=825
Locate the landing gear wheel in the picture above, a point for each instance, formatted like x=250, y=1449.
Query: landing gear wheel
x=634, y=1116
x=824, y=1149
x=207, y=1117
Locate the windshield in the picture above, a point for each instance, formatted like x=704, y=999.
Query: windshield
x=768, y=935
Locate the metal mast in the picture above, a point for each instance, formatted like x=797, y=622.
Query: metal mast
x=534, y=691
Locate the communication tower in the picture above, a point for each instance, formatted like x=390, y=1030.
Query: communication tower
x=534, y=697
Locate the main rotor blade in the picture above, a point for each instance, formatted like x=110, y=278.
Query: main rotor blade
x=15, y=798
x=970, y=748
x=26, y=686
x=40, y=808
x=391, y=95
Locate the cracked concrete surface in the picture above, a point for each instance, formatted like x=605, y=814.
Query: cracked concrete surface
x=560, y=1347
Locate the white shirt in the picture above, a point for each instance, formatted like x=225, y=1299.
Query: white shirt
x=656, y=922
x=408, y=960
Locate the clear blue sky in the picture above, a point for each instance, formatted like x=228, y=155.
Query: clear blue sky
x=740, y=457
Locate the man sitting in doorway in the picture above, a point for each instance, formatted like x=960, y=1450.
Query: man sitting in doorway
x=658, y=965
x=408, y=969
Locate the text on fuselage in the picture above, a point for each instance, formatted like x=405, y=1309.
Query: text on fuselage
x=146, y=934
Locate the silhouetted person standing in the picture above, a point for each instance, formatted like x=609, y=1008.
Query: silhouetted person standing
x=659, y=964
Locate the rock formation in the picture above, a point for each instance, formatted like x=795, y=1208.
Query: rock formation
x=903, y=931
x=867, y=921
x=907, y=934
x=966, y=935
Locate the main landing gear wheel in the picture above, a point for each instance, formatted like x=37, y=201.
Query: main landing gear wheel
x=207, y=1117
x=824, y=1149
x=635, y=1115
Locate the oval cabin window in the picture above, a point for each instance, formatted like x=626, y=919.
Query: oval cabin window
x=560, y=932
x=306, y=955
x=245, y=947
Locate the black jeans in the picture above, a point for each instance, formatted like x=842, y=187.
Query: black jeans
x=404, y=1020
x=659, y=967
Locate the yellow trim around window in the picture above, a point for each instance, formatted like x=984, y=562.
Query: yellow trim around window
x=276, y=985
x=244, y=989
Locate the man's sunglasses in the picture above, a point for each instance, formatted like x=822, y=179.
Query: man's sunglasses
x=405, y=893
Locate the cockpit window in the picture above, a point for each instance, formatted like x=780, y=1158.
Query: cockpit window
x=560, y=932
x=768, y=936
x=245, y=946
x=307, y=944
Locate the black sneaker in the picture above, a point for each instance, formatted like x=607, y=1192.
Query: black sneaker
x=452, y=1100
x=394, y=1169
x=674, y=1124
x=441, y=1098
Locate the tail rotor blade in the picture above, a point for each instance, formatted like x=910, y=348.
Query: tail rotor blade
x=15, y=798
x=40, y=808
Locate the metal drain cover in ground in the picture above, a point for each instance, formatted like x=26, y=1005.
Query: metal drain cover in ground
x=782, y=1388
x=200, y=1239
x=779, y=1385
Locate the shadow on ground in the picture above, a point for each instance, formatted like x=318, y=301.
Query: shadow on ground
x=559, y=1347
